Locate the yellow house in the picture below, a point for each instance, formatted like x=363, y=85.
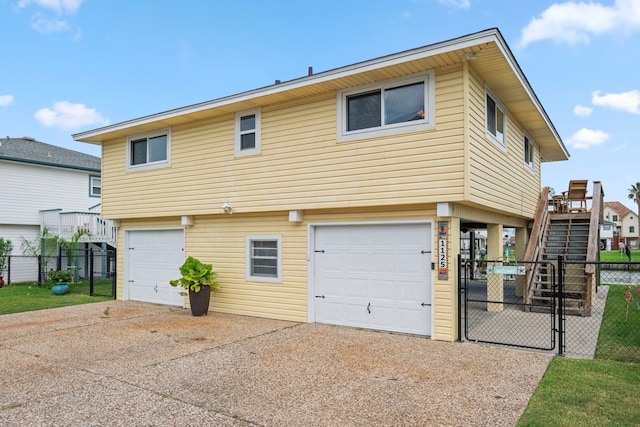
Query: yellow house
x=338, y=197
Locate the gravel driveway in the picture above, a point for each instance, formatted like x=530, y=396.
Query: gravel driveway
x=122, y=363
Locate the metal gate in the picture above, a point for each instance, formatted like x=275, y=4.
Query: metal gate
x=494, y=310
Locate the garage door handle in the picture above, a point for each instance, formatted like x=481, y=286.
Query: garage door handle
x=425, y=304
x=369, y=308
x=156, y=288
x=319, y=296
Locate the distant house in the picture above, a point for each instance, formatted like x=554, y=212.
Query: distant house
x=44, y=185
x=338, y=197
x=625, y=224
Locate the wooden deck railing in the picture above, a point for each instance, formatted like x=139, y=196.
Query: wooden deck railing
x=534, y=248
x=67, y=224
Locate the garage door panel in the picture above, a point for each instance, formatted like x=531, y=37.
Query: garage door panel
x=382, y=289
x=331, y=262
x=355, y=288
x=153, y=259
x=381, y=273
x=411, y=291
x=381, y=264
x=356, y=313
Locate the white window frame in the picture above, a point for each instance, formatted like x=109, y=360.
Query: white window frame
x=92, y=179
x=529, y=147
x=249, y=274
x=257, y=112
x=498, y=105
x=149, y=165
x=428, y=122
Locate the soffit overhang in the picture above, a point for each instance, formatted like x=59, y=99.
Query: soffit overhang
x=493, y=63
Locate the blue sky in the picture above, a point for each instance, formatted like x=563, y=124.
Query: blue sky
x=74, y=65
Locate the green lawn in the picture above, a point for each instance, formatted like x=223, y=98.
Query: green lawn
x=578, y=392
x=600, y=392
x=616, y=256
x=20, y=297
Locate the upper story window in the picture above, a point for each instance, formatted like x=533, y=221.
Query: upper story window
x=632, y=229
x=248, y=132
x=615, y=218
x=395, y=106
x=496, y=119
x=528, y=151
x=95, y=186
x=149, y=151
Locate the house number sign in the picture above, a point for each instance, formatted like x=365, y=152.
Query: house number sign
x=443, y=268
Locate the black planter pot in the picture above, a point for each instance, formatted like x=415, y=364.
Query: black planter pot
x=199, y=301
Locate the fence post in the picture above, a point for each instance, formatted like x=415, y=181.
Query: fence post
x=115, y=273
x=90, y=272
x=459, y=298
x=39, y=271
x=560, y=302
x=8, y=271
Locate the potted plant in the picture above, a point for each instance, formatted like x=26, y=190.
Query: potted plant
x=6, y=247
x=198, y=280
x=60, y=280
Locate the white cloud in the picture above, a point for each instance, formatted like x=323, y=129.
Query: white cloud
x=6, y=100
x=625, y=101
x=461, y=4
x=46, y=26
x=61, y=6
x=580, y=110
x=66, y=115
x=575, y=22
x=587, y=138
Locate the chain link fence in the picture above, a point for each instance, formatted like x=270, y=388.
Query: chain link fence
x=619, y=332
x=563, y=318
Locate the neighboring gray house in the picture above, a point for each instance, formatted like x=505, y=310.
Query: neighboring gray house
x=46, y=185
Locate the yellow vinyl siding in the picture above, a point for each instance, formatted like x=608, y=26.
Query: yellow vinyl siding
x=301, y=166
x=498, y=177
x=221, y=241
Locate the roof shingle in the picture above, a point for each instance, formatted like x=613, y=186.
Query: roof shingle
x=28, y=150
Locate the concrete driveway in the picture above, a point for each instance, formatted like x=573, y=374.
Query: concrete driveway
x=120, y=363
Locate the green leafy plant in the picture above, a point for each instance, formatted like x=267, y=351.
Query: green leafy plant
x=196, y=274
x=60, y=276
x=46, y=244
x=6, y=247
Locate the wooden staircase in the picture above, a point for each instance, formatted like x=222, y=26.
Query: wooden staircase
x=566, y=235
x=574, y=236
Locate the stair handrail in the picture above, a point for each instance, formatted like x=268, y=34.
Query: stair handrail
x=596, y=218
x=534, y=252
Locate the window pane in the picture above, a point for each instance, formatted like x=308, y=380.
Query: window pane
x=264, y=258
x=364, y=111
x=139, y=152
x=264, y=267
x=491, y=115
x=403, y=104
x=247, y=123
x=247, y=141
x=158, y=148
x=499, y=124
x=95, y=186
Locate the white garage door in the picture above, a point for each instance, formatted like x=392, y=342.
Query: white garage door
x=153, y=258
x=374, y=276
